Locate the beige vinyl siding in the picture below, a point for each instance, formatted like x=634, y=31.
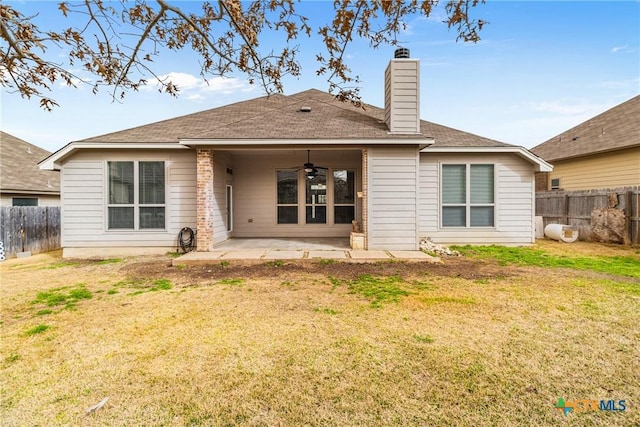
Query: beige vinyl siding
x=84, y=201
x=254, y=192
x=402, y=101
x=514, y=201
x=608, y=170
x=392, y=198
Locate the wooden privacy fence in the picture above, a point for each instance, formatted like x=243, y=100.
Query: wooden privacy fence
x=592, y=211
x=29, y=229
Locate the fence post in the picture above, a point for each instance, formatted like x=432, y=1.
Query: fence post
x=628, y=209
x=565, y=216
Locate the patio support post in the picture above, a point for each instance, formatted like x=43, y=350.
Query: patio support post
x=204, y=199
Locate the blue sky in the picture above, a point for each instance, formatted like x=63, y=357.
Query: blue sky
x=541, y=68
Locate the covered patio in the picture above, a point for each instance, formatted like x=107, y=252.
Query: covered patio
x=259, y=250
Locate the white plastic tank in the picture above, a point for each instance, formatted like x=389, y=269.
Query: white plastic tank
x=561, y=232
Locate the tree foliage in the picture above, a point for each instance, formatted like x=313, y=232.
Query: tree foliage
x=118, y=41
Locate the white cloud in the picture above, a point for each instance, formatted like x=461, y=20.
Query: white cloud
x=617, y=49
x=196, y=88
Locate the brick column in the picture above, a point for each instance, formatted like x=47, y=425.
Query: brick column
x=204, y=199
x=365, y=195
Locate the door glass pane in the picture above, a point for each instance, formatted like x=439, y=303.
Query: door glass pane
x=316, y=214
x=317, y=189
x=151, y=185
x=151, y=218
x=344, y=214
x=287, y=187
x=343, y=187
x=287, y=214
x=481, y=184
x=120, y=183
x=482, y=216
x=454, y=184
x=121, y=218
x=454, y=216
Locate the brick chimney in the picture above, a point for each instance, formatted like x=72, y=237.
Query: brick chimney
x=402, y=93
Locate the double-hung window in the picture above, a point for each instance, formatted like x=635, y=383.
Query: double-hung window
x=344, y=187
x=136, y=195
x=287, y=196
x=468, y=195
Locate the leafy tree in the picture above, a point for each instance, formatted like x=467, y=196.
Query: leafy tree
x=118, y=41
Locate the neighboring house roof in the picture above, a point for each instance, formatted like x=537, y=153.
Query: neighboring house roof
x=615, y=129
x=19, y=172
x=280, y=117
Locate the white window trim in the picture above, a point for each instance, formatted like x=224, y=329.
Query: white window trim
x=297, y=204
x=136, y=203
x=330, y=205
x=468, y=204
x=332, y=199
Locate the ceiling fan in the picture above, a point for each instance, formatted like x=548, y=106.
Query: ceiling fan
x=309, y=168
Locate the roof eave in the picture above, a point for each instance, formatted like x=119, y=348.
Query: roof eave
x=539, y=163
x=54, y=161
x=7, y=191
x=420, y=141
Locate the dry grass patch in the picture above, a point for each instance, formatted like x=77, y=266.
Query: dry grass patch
x=401, y=346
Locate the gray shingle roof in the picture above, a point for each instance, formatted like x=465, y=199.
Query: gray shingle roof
x=279, y=117
x=19, y=170
x=615, y=129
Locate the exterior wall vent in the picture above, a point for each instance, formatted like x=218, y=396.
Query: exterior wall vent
x=305, y=109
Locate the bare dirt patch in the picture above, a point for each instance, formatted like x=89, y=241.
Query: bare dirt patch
x=452, y=267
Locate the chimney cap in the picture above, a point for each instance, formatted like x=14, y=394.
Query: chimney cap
x=401, y=52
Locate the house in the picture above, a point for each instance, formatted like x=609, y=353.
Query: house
x=601, y=153
x=299, y=166
x=22, y=182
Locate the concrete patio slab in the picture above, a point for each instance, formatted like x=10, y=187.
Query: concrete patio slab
x=244, y=254
x=413, y=255
x=367, y=255
x=195, y=258
x=284, y=255
x=327, y=254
